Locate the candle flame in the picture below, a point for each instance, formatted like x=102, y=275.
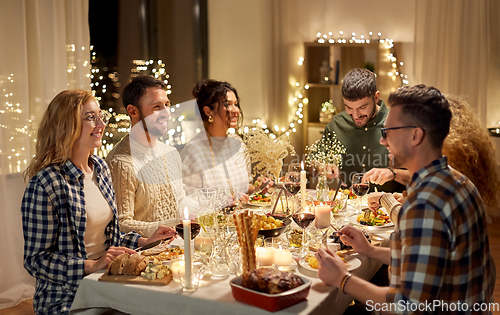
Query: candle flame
x=186, y=213
x=302, y=164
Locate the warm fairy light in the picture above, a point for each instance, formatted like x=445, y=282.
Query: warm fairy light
x=322, y=39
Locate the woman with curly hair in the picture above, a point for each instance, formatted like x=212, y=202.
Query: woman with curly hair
x=470, y=151
x=215, y=158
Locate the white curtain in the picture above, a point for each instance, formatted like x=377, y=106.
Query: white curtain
x=456, y=50
x=45, y=49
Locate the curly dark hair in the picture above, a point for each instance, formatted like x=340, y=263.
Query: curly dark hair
x=358, y=84
x=425, y=107
x=213, y=93
x=133, y=92
x=470, y=151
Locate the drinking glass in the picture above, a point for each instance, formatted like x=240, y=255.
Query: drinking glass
x=303, y=219
x=195, y=229
x=292, y=182
x=227, y=200
x=206, y=198
x=360, y=188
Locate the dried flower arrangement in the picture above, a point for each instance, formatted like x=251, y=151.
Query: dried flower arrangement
x=325, y=151
x=265, y=153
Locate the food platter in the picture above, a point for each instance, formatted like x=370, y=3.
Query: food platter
x=353, y=220
x=352, y=260
x=259, y=200
x=270, y=302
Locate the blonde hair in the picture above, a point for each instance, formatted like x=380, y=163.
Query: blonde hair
x=59, y=129
x=470, y=151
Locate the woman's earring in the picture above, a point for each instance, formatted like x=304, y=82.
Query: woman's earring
x=210, y=119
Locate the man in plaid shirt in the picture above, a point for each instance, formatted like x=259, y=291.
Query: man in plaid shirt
x=439, y=253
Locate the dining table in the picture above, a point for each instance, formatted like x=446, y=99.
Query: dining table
x=211, y=297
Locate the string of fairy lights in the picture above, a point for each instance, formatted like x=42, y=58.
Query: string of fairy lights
x=298, y=101
x=105, y=83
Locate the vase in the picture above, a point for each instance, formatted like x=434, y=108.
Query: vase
x=322, y=188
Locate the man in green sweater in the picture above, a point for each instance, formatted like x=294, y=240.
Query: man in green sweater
x=358, y=128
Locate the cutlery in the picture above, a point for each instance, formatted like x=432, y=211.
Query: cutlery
x=152, y=244
x=261, y=187
x=338, y=188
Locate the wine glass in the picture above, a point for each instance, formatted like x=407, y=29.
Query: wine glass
x=292, y=182
x=303, y=219
x=360, y=188
x=195, y=229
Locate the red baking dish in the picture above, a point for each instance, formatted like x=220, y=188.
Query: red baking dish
x=270, y=302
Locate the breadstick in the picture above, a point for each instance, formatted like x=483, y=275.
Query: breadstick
x=250, y=243
x=243, y=245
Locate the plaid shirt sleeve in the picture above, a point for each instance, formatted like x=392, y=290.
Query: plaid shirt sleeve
x=41, y=226
x=440, y=249
x=424, y=252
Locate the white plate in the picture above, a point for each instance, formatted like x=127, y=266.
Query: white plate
x=290, y=267
x=352, y=260
x=258, y=204
x=353, y=220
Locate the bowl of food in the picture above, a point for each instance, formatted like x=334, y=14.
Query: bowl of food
x=272, y=226
x=272, y=302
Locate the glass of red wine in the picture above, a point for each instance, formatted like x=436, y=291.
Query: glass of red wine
x=360, y=188
x=303, y=219
x=195, y=229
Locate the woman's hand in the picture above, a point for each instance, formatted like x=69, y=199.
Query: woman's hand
x=354, y=237
x=92, y=266
x=331, y=268
x=161, y=233
x=244, y=198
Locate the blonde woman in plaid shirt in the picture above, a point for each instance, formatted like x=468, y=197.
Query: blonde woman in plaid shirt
x=439, y=253
x=69, y=213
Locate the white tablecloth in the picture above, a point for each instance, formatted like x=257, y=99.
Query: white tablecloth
x=212, y=297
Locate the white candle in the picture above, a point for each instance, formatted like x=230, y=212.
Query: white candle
x=186, y=226
x=322, y=216
x=178, y=266
x=265, y=256
x=303, y=182
x=283, y=257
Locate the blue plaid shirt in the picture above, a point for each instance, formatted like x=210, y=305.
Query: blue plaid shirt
x=54, y=221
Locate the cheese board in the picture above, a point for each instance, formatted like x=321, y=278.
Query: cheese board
x=135, y=279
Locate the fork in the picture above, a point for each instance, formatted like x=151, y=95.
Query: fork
x=261, y=187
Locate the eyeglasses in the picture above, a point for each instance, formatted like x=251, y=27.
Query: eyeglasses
x=93, y=119
x=384, y=130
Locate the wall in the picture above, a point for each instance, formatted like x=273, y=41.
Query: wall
x=255, y=45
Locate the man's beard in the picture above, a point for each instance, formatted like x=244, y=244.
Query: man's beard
x=395, y=162
x=370, y=117
x=150, y=125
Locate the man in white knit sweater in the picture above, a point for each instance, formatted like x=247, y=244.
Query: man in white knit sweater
x=147, y=173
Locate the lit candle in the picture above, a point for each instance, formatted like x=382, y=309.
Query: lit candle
x=322, y=216
x=178, y=266
x=186, y=226
x=303, y=182
x=265, y=256
x=283, y=257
